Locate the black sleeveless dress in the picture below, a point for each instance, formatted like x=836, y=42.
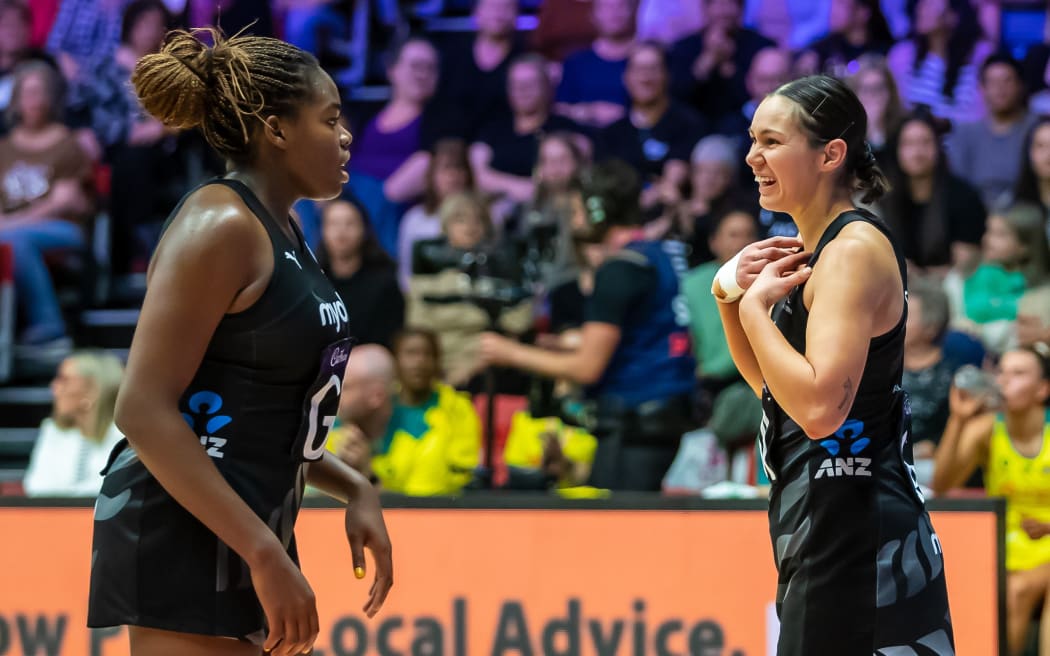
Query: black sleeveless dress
x=261, y=403
x=860, y=567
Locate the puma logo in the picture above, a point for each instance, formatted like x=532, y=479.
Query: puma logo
x=291, y=256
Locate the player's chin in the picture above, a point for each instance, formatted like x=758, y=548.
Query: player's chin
x=330, y=188
x=770, y=203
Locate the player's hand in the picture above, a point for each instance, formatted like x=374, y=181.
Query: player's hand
x=963, y=405
x=778, y=278
x=288, y=603
x=756, y=256
x=365, y=529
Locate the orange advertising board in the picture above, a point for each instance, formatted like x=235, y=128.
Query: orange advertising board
x=502, y=582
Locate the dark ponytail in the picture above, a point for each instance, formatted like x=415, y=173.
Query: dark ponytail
x=828, y=110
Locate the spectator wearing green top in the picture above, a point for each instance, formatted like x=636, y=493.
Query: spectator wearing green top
x=715, y=369
x=1015, y=257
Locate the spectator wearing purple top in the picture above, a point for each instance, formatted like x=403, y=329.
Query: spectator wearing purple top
x=390, y=154
x=393, y=146
x=505, y=154
x=592, y=90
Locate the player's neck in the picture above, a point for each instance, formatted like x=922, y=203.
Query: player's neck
x=814, y=219
x=272, y=190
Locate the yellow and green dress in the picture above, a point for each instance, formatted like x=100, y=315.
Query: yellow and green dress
x=1025, y=484
x=430, y=449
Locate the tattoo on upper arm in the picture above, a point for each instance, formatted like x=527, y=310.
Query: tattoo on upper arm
x=847, y=388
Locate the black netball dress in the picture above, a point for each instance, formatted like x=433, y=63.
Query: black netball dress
x=860, y=567
x=261, y=404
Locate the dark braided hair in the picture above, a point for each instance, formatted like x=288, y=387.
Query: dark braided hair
x=221, y=88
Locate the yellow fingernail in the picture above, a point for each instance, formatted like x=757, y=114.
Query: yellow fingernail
x=359, y=572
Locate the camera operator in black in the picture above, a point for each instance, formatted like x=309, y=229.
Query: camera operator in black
x=634, y=356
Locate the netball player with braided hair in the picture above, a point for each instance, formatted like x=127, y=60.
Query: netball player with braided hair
x=234, y=373
x=819, y=335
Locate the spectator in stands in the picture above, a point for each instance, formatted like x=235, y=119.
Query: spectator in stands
x=1033, y=183
x=544, y=222
x=254, y=17
x=1033, y=317
x=75, y=441
x=770, y=68
x=562, y=28
x=1036, y=66
x=714, y=190
x=658, y=135
x=363, y=274
x=365, y=406
x=85, y=33
x=667, y=21
x=448, y=172
x=433, y=440
x=730, y=233
x=987, y=153
x=43, y=196
x=393, y=147
x=857, y=27
x=140, y=150
x=708, y=68
x=545, y=452
x=927, y=371
x=1012, y=442
x=475, y=87
x=437, y=287
x=315, y=25
x=938, y=66
x=504, y=156
x=15, y=30
x=1015, y=257
x=592, y=88
x=391, y=152
x=877, y=90
x=938, y=217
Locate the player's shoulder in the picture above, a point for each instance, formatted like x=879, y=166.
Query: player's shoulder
x=215, y=213
x=860, y=244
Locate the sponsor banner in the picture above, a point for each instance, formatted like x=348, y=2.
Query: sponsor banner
x=495, y=582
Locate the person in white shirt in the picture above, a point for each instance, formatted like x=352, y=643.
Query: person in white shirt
x=75, y=441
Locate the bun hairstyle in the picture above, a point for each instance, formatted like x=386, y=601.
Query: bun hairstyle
x=828, y=110
x=222, y=88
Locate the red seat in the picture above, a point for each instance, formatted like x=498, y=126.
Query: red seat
x=506, y=406
x=12, y=489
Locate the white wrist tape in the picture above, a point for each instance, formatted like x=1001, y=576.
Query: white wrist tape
x=726, y=278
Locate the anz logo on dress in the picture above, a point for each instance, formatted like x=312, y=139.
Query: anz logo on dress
x=847, y=437
x=204, y=407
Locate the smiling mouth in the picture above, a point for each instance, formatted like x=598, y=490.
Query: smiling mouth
x=764, y=181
